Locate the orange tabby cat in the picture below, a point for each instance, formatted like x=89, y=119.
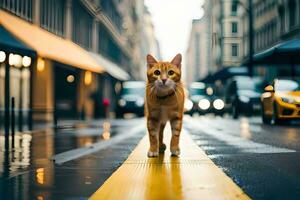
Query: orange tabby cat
x=164, y=102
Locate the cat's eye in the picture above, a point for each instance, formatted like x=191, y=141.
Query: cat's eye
x=170, y=72
x=157, y=72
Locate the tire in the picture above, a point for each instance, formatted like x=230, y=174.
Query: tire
x=235, y=111
x=265, y=119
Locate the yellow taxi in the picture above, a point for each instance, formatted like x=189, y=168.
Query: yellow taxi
x=281, y=102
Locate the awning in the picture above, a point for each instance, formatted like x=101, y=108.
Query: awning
x=48, y=45
x=111, y=68
x=10, y=44
x=283, y=53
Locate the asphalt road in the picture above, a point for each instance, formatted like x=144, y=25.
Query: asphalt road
x=75, y=160
x=264, y=160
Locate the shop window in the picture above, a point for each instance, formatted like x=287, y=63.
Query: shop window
x=21, y=8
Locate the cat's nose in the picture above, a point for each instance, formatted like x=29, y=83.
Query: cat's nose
x=164, y=80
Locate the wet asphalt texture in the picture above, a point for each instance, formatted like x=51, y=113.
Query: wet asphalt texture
x=263, y=160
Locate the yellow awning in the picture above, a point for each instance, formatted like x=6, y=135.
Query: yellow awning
x=49, y=45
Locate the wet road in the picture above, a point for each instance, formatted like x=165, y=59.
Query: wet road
x=30, y=173
x=264, y=160
x=74, y=161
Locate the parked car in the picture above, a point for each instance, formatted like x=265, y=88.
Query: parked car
x=242, y=95
x=203, y=99
x=281, y=102
x=131, y=98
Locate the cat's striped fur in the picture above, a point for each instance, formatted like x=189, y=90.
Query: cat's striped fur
x=164, y=102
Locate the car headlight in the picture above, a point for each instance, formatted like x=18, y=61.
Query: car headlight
x=122, y=102
x=204, y=104
x=287, y=100
x=218, y=104
x=188, y=104
x=244, y=99
x=139, y=102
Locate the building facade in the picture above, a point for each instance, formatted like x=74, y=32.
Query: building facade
x=60, y=85
x=275, y=21
x=227, y=34
x=197, y=54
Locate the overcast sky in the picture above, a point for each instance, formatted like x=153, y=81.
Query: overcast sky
x=172, y=20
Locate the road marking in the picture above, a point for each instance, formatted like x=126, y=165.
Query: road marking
x=191, y=176
x=245, y=145
x=77, y=153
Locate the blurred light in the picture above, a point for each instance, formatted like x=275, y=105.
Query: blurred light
x=106, y=131
x=40, y=174
x=70, y=78
x=26, y=61
x=209, y=91
x=15, y=60
x=2, y=56
x=218, y=104
x=40, y=64
x=118, y=87
x=122, y=102
x=40, y=198
x=188, y=105
x=244, y=99
x=88, y=78
x=139, y=102
x=204, y=104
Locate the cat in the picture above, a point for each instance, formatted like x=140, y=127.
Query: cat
x=164, y=102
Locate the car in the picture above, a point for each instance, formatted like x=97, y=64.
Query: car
x=242, y=95
x=203, y=100
x=281, y=101
x=131, y=98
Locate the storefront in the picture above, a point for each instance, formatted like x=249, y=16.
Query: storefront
x=15, y=74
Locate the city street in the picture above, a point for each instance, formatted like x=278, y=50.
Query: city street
x=75, y=160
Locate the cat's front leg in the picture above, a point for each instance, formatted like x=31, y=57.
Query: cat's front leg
x=153, y=130
x=176, y=125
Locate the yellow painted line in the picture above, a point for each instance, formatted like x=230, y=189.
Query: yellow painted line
x=191, y=176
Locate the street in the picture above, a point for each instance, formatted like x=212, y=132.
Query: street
x=75, y=160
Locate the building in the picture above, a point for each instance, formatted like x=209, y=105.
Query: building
x=227, y=35
x=83, y=50
x=197, y=54
x=275, y=21
x=149, y=43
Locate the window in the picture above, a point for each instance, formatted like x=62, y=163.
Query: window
x=110, y=9
x=52, y=16
x=234, y=50
x=110, y=49
x=82, y=25
x=234, y=27
x=292, y=13
x=21, y=8
x=234, y=7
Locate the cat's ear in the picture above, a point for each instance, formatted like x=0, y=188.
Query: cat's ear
x=177, y=60
x=150, y=61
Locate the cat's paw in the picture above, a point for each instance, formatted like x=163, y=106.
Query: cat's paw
x=175, y=152
x=152, y=154
x=162, y=148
